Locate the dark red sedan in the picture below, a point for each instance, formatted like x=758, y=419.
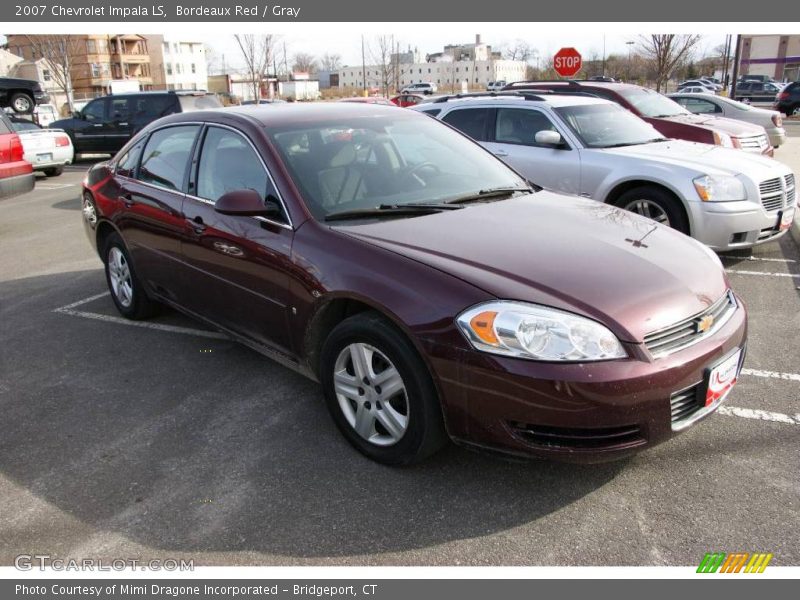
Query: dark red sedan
x=430, y=289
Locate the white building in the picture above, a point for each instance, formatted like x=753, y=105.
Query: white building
x=7, y=62
x=177, y=63
x=445, y=74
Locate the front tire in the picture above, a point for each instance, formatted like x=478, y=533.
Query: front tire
x=379, y=391
x=657, y=204
x=126, y=289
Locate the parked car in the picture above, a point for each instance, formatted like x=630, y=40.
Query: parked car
x=48, y=150
x=695, y=89
x=45, y=114
x=788, y=99
x=105, y=124
x=760, y=78
x=601, y=78
x=719, y=106
x=21, y=95
x=494, y=86
x=756, y=91
x=368, y=100
x=406, y=100
x=420, y=88
x=594, y=148
x=711, y=87
x=670, y=118
x=390, y=258
x=16, y=174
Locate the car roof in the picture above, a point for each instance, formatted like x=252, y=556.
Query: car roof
x=554, y=100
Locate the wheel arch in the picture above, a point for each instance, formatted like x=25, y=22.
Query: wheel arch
x=614, y=194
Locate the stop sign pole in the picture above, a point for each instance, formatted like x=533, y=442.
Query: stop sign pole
x=567, y=62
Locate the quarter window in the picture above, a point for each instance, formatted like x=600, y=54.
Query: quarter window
x=126, y=165
x=94, y=111
x=227, y=163
x=166, y=156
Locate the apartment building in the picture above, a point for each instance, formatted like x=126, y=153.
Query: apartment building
x=178, y=63
x=96, y=59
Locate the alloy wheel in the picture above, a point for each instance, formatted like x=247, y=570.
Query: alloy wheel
x=89, y=211
x=649, y=209
x=22, y=104
x=371, y=394
x=120, y=276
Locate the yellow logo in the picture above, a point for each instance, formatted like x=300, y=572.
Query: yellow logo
x=705, y=324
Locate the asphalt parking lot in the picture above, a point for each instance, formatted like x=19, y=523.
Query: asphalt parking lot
x=164, y=439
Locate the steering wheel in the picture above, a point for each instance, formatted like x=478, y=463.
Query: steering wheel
x=420, y=168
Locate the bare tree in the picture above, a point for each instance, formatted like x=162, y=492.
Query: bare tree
x=666, y=52
x=331, y=62
x=59, y=52
x=304, y=62
x=519, y=51
x=383, y=54
x=257, y=51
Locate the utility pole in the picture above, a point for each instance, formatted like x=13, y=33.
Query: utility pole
x=604, y=55
x=736, y=56
x=363, y=67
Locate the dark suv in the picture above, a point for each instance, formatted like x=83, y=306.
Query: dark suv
x=788, y=100
x=756, y=91
x=21, y=95
x=106, y=124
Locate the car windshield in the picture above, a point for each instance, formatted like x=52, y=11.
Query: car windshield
x=652, y=104
x=386, y=158
x=607, y=125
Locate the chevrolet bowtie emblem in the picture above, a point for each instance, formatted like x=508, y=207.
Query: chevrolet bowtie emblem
x=705, y=324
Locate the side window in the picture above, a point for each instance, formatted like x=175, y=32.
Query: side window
x=471, y=121
x=520, y=126
x=118, y=109
x=228, y=162
x=95, y=110
x=126, y=165
x=166, y=156
x=154, y=107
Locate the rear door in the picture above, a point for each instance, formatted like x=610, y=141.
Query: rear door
x=152, y=179
x=238, y=265
x=513, y=138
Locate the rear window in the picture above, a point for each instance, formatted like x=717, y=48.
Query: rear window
x=200, y=102
x=153, y=107
x=5, y=124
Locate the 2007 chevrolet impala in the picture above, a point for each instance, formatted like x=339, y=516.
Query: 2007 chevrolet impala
x=430, y=289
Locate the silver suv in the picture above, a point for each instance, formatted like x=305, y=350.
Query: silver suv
x=420, y=88
x=594, y=148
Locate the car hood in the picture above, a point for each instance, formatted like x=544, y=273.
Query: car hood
x=703, y=158
x=730, y=126
x=623, y=270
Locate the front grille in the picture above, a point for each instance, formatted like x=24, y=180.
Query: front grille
x=791, y=193
x=757, y=142
x=687, y=332
x=627, y=436
x=685, y=403
x=771, y=192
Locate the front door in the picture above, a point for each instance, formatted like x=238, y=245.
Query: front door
x=118, y=127
x=237, y=265
x=89, y=131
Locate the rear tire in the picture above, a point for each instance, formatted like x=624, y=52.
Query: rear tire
x=655, y=203
x=400, y=423
x=21, y=103
x=54, y=171
x=126, y=289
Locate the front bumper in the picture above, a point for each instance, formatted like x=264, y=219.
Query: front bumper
x=727, y=226
x=580, y=412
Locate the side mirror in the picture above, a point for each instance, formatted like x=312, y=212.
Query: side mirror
x=247, y=203
x=547, y=137
x=77, y=114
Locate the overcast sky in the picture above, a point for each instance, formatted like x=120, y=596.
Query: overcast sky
x=348, y=45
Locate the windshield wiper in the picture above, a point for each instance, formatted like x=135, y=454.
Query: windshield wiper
x=621, y=144
x=482, y=195
x=389, y=210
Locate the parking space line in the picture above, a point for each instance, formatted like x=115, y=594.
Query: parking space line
x=771, y=374
x=69, y=310
x=758, y=258
x=54, y=186
x=759, y=415
x=739, y=272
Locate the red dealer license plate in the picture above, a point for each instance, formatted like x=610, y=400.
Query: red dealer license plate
x=722, y=378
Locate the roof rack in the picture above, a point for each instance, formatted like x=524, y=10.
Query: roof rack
x=569, y=82
x=537, y=96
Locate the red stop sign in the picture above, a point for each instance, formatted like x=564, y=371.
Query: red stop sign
x=567, y=62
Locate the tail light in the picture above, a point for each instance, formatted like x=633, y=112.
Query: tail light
x=777, y=120
x=16, y=150
x=62, y=141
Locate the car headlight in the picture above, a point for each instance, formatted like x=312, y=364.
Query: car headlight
x=537, y=333
x=719, y=188
x=722, y=139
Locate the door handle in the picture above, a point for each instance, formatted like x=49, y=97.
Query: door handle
x=500, y=153
x=122, y=124
x=98, y=125
x=127, y=199
x=197, y=224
